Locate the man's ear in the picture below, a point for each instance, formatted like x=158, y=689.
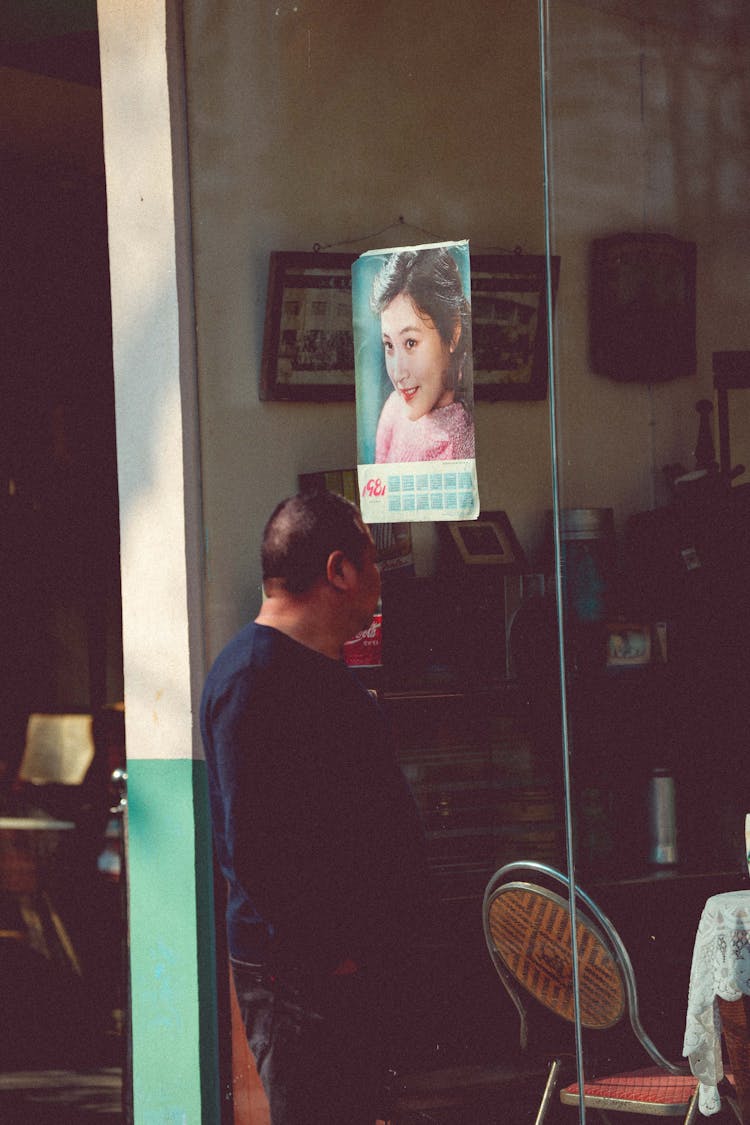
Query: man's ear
x=339, y=571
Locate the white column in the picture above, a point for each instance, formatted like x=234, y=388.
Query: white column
x=175, y=1071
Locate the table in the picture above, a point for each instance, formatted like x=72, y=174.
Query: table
x=720, y=970
x=35, y=824
x=21, y=868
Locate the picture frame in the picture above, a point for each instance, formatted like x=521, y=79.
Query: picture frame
x=642, y=307
x=488, y=541
x=510, y=324
x=308, y=348
x=628, y=645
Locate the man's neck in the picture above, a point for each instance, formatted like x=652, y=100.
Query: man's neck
x=304, y=620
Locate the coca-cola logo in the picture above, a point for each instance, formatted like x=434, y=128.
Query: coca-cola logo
x=367, y=634
x=364, y=649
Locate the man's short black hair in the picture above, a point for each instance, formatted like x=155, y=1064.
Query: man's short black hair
x=303, y=531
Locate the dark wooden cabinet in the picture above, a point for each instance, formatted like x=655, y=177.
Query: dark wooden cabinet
x=624, y=725
x=485, y=799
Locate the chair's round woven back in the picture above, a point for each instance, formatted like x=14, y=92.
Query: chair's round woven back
x=531, y=933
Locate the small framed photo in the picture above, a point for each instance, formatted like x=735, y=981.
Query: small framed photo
x=487, y=541
x=628, y=646
x=308, y=348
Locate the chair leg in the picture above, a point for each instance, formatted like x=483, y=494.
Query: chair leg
x=692, y=1112
x=549, y=1090
x=734, y=1106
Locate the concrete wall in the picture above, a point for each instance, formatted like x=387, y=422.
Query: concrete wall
x=320, y=123
x=316, y=122
x=649, y=131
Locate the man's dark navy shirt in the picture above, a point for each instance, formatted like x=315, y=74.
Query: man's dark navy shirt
x=315, y=828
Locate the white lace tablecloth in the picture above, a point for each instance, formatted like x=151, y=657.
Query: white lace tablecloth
x=721, y=967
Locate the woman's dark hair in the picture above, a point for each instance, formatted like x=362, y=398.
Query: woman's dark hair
x=303, y=531
x=430, y=278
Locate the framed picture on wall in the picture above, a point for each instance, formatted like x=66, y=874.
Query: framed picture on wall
x=642, y=319
x=488, y=541
x=509, y=325
x=308, y=348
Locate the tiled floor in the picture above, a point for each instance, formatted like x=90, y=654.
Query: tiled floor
x=463, y=1096
x=65, y=1097
x=471, y=1095
x=86, y=1097
x=60, y=1054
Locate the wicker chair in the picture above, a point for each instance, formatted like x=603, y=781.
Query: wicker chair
x=528, y=930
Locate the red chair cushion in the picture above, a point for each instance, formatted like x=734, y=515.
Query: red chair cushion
x=651, y=1085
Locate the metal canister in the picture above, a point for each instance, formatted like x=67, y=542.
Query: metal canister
x=588, y=559
x=662, y=819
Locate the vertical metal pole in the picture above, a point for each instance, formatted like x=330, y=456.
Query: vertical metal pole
x=566, y=741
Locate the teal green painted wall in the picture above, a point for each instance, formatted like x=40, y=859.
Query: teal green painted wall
x=172, y=944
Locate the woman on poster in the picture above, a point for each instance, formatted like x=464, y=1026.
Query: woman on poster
x=425, y=322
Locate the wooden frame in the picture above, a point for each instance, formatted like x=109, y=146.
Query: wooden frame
x=308, y=351
x=642, y=307
x=509, y=325
x=487, y=541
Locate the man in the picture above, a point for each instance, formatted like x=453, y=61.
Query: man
x=315, y=828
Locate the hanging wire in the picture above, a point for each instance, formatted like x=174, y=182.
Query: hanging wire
x=402, y=222
x=399, y=222
x=566, y=742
